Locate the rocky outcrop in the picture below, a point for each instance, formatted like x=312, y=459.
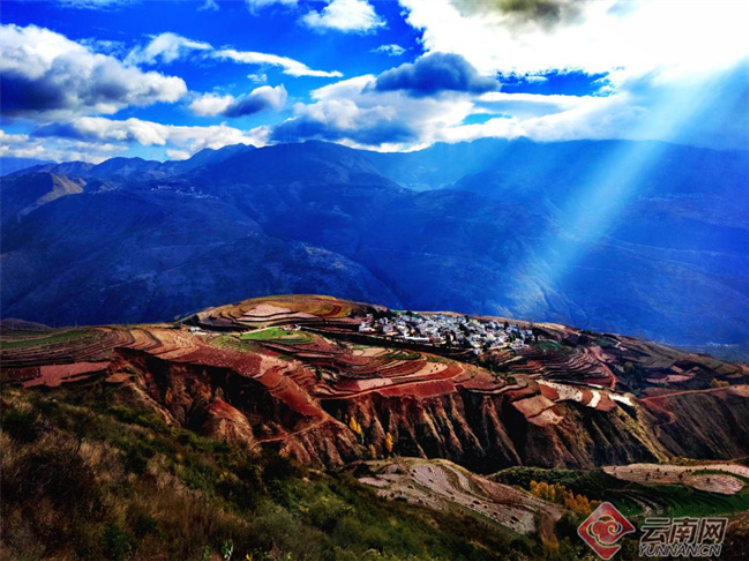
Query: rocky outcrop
x=224, y=404
x=708, y=424
x=484, y=433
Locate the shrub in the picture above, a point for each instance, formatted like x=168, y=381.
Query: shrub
x=198, y=492
x=117, y=545
x=142, y=523
x=137, y=456
x=325, y=512
x=23, y=426
x=58, y=473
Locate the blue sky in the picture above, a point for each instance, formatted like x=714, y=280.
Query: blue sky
x=92, y=79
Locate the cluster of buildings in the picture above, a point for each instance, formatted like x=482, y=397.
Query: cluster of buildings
x=449, y=330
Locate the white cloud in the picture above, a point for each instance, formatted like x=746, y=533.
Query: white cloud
x=95, y=4
x=260, y=99
x=390, y=50
x=166, y=48
x=346, y=16
x=8, y=139
x=211, y=104
x=660, y=71
x=354, y=113
x=633, y=37
x=46, y=75
x=23, y=146
x=352, y=87
x=148, y=133
x=209, y=5
x=94, y=139
x=256, y=5
x=258, y=78
x=177, y=154
x=600, y=118
x=523, y=105
x=553, y=118
x=666, y=67
x=341, y=15
x=19, y=146
x=289, y=65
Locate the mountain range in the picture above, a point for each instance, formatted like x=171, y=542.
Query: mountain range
x=643, y=238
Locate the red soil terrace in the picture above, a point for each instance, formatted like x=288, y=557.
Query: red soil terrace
x=295, y=388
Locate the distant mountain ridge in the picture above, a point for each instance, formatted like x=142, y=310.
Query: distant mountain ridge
x=643, y=238
x=135, y=168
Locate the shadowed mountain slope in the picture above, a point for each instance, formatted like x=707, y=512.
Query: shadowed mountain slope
x=645, y=238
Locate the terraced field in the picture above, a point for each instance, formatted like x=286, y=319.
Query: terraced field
x=34, y=339
x=722, y=478
x=657, y=495
x=277, y=310
x=445, y=486
x=291, y=371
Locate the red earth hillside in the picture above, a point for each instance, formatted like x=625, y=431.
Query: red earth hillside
x=293, y=372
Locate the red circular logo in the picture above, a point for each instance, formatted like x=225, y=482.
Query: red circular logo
x=603, y=528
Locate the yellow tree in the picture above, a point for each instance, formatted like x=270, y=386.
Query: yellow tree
x=389, y=443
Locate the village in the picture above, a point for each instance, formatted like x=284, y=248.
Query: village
x=448, y=330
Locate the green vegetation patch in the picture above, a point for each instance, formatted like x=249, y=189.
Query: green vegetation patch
x=279, y=335
x=741, y=478
x=549, y=345
x=438, y=359
x=108, y=481
x=630, y=497
x=404, y=355
x=234, y=343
